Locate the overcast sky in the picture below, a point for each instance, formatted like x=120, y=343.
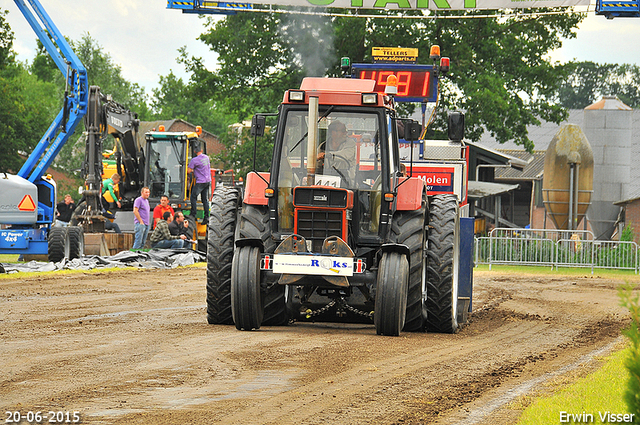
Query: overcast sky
x=143, y=37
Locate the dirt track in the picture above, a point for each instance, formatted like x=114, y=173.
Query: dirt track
x=134, y=348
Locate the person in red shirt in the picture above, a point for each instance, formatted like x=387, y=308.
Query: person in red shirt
x=161, y=208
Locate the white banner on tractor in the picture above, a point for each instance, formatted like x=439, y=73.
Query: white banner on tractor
x=313, y=265
x=427, y=4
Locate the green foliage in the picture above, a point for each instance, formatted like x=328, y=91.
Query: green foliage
x=587, y=82
x=25, y=105
x=260, y=55
x=238, y=154
x=627, y=234
x=631, y=300
x=175, y=100
x=7, y=56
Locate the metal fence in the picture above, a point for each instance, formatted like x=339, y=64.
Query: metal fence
x=554, y=248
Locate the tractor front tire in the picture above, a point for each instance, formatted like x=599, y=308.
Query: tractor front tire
x=391, y=294
x=254, y=223
x=246, y=296
x=443, y=264
x=220, y=248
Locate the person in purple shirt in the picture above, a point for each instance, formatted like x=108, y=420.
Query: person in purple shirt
x=141, y=222
x=200, y=166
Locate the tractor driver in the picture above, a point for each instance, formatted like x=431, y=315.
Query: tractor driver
x=337, y=155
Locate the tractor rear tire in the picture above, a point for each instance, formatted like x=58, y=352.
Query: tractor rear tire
x=443, y=264
x=220, y=247
x=58, y=244
x=76, y=242
x=410, y=228
x=246, y=296
x=254, y=223
x=391, y=294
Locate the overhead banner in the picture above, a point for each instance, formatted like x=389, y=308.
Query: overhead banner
x=427, y=4
x=204, y=6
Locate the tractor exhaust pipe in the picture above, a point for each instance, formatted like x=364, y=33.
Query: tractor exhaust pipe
x=312, y=141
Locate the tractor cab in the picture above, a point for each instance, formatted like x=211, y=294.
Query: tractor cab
x=167, y=157
x=328, y=172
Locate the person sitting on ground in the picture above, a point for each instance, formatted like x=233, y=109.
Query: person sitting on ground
x=179, y=226
x=162, y=237
x=160, y=209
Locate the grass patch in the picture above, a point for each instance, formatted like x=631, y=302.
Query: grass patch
x=595, y=394
x=9, y=258
x=626, y=275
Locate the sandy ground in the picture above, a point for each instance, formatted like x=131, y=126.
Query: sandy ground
x=134, y=347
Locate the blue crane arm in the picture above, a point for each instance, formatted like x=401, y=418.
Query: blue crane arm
x=76, y=95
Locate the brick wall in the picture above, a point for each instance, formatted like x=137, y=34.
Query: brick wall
x=632, y=218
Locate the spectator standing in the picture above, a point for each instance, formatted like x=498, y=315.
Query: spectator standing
x=142, y=213
x=111, y=191
x=200, y=166
x=179, y=226
x=162, y=237
x=64, y=211
x=161, y=208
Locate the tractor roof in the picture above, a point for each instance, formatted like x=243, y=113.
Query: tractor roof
x=338, y=84
x=336, y=91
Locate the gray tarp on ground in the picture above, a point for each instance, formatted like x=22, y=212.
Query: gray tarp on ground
x=154, y=259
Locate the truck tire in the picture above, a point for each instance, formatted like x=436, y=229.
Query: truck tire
x=442, y=264
x=246, y=296
x=76, y=242
x=254, y=223
x=58, y=244
x=410, y=228
x=391, y=294
x=222, y=226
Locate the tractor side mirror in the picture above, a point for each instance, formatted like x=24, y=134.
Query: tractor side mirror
x=456, y=126
x=412, y=130
x=257, y=125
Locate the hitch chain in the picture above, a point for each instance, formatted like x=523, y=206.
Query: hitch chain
x=343, y=304
x=310, y=313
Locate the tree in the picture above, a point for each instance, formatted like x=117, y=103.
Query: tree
x=260, y=56
x=587, y=82
x=175, y=100
x=24, y=116
x=499, y=77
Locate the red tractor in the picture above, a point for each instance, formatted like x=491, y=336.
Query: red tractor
x=335, y=231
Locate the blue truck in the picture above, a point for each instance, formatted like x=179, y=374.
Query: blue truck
x=27, y=208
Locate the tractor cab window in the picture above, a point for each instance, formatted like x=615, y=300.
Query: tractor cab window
x=165, y=167
x=347, y=156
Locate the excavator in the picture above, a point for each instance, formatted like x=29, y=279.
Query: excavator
x=158, y=161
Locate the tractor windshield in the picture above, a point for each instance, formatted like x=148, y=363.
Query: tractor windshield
x=347, y=156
